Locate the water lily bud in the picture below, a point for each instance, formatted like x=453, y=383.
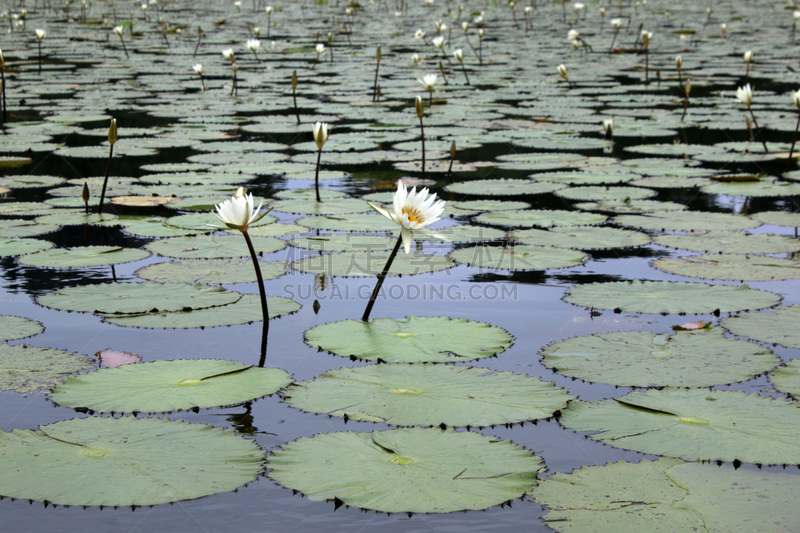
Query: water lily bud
x=678, y=62
x=687, y=87
x=608, y=127
x=602, y=12
x=257, y=31
x=2, y=60
x=321, y=133
x=562, y=70
x=419, y=34
x=294, y=79
x=617, y=23
x=453, y=150
x=572, y=35
x=646, y=36
x=796, y=15
x=118, y=30
x=112, y=132
x=198, y=69
x=796, y=98
x=576, y=45
x=228, y=54
x=459, y=55
x=40, y=34
x=320, y=48
x=418, y=106
x=415, y=59
x=269, y=10
x=465, y=26
x=85, y=193
x=723, y=27
x=348, y=11
x=428, y=81
x=528, y=10
x=480, y=34
x=579, y=6
x=748, y=56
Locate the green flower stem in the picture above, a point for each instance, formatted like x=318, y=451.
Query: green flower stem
x=261, y=291
x=760, y=133
x=381, y=277
x=294, y=98
x=422, y=137
x=316, y=175
x=40, y=56
x=3, y=77
x=105, y=181
x=794, y=140
x=464, y=69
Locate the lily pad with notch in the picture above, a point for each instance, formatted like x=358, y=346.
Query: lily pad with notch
x=778, y=326
x=520, y=257
x=83, y=256
x=731, y=242
x=582, y=237
x=30, y=369
x=17, y=327
x=730, y=267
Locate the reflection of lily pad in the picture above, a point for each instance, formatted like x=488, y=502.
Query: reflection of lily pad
x=428, y=395
x=124, y=461
x=412, y=340
x=645, y=359
x=212, y=246
x=519, y=257
x=664, y=297
x=17, y=327
x=778, y=326
x=731, y=267
x=246, y=310
x=211, y=271
x=27, y=369
x=731, y=242
x=406, y=470
x=669, y=495
x=83, y=256
x=126, y=298
x=371, y=263
x=163, y=386
x=694, y=424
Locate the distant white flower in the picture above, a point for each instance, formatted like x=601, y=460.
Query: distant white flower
x=723, y=27
x=415, y=59
x=573, y=35
x=745, y=95
x=480, y=34
x=321, y=133
x=118, y=30
x=646, y=36
x=428, y=81
x=576, y=45
x=41, y=34
x=238, y=5
x=319, y=48
x=478, y=19
x=608, y=127
x=562, y=70
x=419, y=34
x=459, y=55
x=257, y=31
x=796, y=14
x=465, y=26
x=228, y=54
x=796, y=98
x=617, y=23
x=748, y=56
x=528, y=10
x=253, y=44
x=438, y=42
x=602, y=12
x=348, y=11
x=269, y=10
x=578, y=6
x=198, y=69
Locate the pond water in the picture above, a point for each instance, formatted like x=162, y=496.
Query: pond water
x=517, y=120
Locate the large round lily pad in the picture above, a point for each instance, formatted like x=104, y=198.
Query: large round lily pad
x=528, y=218
x=247, y=309
x=671, y=496
x=414, y=339
x=786, y=379
x=127, y=298
x=17, y=327
x=665, y=297
x=778, y=326
x=519, y=257
x=346, y=242
x=694, y=424
x=211, y=271
x=687, y=221
x=731, y=267
x=406, y=470
x=646, y=359
x=163, y=386
x=428, y=395
x=731, y=242
x=332, y=206
x=124, y=461
x=28, y=369
x=83, y=256
x=371, y=263
x=213, y=246
x=502, y=187
x=17, y=247
x=582, y=237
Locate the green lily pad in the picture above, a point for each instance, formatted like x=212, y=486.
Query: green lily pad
x=665, y=297
x=211, y=271
x=350, y=222
x=688, y=221
x=765, y=187
x=128, y=298
x=199, y=222
x=778, y=326
x=731, y=242
x=541, y=218
x=582, y=237
x=480, y=206
x=17, y=327
x=776, y=218
x=519, y=257
x=502, y=187
x=646, y=359
x=28, y=182
x=28, y=369
x=731, y=267
x=124, y=461
x=213, y=246
x=463, y=233
x=406, y=470
x=428, y=395
x=668, y=495
x=629, y=206
x=17, y=247
x=786, y=379
x=594, y=176
x=20, y=228
x=344, y=242
x=76, y=218
x=83, y=256
x=694, y=424
x=411, y=340
x=613, y=194
x=333, y=206
x=247, y=309
x=371, y=263
x=163, y=386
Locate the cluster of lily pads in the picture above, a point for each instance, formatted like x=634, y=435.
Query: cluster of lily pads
x=565, y=183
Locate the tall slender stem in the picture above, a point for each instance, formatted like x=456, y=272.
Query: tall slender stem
x=465, y=72
x=40, y=56
x=375, y=83
x=3, y=76
x=760, y=133
x=794, y=140
x=381, y=277
x=294, y=98
x=105, y=181
x=422, y=136
x=261, y=291
x=316, y=174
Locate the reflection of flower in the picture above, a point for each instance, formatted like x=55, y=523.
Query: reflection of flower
x=238, y=212
x=413, y=211
x=745, y=95
x=321, y=133
x=429, y=81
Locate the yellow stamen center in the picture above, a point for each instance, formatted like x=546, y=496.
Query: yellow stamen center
x=413, y=214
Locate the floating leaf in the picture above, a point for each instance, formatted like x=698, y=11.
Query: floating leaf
x=28, y=369
x=688, y=221
x=211, y=271
x=344, y=242
x=646, y=359
x=502, y=187
x=582, y=237
x=732, y=267
x=786, y=379
x=17, y=247
x=163, y=386
x=17, y=327
x=670, y=297
x=731, y=242
x=213, y=246
x=333, y=206
x=411, y=340
x=428, y=395
x=519, y=257
x=124, y=461
x=371, y=263
x=694, y=424
x=778, y=326
x=406, y=470
x=541, y=218
x=83, y=256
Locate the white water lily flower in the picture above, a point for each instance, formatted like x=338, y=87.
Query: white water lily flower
x=415, y=59
x=528, y=10
x=238, y=212
x=269, y=10
x=617, y=23
x=478, y=19
x=428, y=81
x=562, y=70
x=198, y=69
x=745, y=95
x=321, y=133
x=796, y=98
x=465, y=26
x=459, y=55
x=319, y=49
x=118, y=30
x=573, y=35
x=678, y=62
x=579, y=6
x=253, y=44
x=646, y=36
x=41, y=34
x=480, y=34
x=438, y=42
x=748, y=56
x=419, y=34
x=413, y=211
x=228, y=54
x=608, y=126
